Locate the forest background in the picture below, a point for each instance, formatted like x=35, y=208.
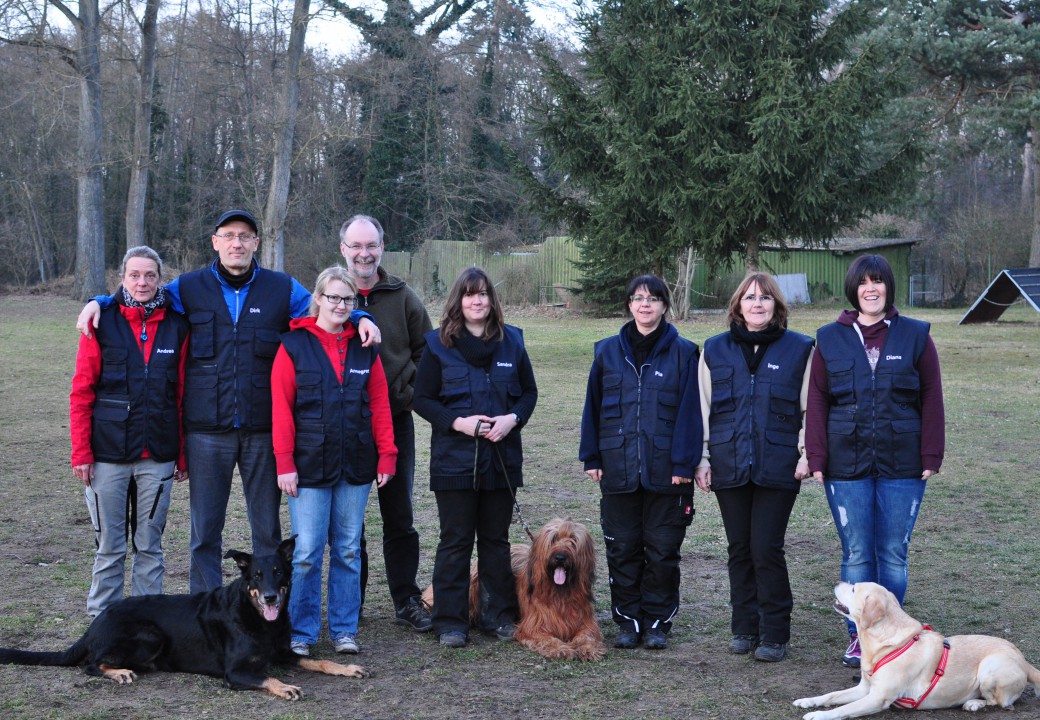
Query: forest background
x=131, y=122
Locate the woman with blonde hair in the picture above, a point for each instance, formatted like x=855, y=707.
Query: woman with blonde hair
x=332, y=437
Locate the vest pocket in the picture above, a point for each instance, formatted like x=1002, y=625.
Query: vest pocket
x=841, y=381
x=455, y=387
x=265, y=343
x=202, y=339
x=612, y=459
x=610, y=406
x=906, y=444
x=722, y=389
x=661, y=462
x=114, y=370
x=784, y=409
x=667, y=411
x=906, y=391
x=366, y=459
x=201, y=397
x=308, y=396
x=111, y=418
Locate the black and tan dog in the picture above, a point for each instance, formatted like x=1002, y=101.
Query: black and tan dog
x=234, y=632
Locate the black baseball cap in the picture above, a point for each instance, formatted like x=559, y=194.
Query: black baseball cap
x=238, y=215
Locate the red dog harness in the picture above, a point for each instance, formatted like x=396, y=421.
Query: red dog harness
x=909, y=703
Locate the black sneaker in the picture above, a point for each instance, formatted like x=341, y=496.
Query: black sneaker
x=414, y=615
x=655, y=639
x=771, y=652
x=743, y=644
x=627, y=640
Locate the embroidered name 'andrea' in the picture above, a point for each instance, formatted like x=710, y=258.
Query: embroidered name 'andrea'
x=165, y=351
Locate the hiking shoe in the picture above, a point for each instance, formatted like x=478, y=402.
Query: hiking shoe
x=505, y=632
x=300, y=648
x=655, y=639
x=346, y=643
x=453, y=639
x=851, y=656
x=414, y=615
x=627, y=640
x=743, y=644
x=771, y=651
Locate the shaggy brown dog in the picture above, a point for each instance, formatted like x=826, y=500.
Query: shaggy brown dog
x=554, y=584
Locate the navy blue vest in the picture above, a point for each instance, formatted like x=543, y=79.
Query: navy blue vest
x=874, y=423
x=228, y=375
x=334, y=439
x=754, y=419
x=135, y=403
x=638, y=413
x=475, y=391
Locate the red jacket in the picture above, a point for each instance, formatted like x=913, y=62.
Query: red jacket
x=88, y=370
x=283, y=398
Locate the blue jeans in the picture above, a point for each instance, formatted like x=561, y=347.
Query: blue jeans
x=110, y=501
x=875, y=518
x=332, y=515
x=212, y=458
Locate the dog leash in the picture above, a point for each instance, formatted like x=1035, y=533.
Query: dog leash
x=505, y=474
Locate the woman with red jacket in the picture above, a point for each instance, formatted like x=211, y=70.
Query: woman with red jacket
x=125, y=422
x=332, y=436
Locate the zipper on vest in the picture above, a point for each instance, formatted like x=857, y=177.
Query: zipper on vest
x=234, y=355
x=751, y=427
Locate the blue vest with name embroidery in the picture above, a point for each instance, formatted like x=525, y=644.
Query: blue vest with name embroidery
x=135, y=404
x=874, y=422
x=754, y=420
x=334, y=440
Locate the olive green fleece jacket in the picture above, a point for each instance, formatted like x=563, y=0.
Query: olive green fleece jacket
x=402, y=320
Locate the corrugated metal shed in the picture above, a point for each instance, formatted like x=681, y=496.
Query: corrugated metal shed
x=1006, y=288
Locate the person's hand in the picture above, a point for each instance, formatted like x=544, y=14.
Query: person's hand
x=84, y=472
x=703, y=477
x=469, y=425
x=288, y=482
x=180, y=475
x=501, y=425
x=369, y=333
x=382, y=479
x=595, y=473
x=88, y=318
x=801, y=472
x=818, y=476
x=677, y=480
x=927, y=474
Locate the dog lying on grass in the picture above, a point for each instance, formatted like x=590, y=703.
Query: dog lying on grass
x=909, y=665
x=233, y=632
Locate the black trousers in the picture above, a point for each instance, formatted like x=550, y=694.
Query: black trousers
x=756, y=519
x=400, y=539
x=643, y=532
x=464, y=514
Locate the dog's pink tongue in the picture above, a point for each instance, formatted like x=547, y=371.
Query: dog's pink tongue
x=270, y=613
x=559, y=576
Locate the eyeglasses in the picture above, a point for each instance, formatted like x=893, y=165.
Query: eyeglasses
x=231, y=237
x=640, y=299
x=359, y=248
x=337, y=299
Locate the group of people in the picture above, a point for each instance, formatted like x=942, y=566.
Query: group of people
x=859, y=409
x=310, y=394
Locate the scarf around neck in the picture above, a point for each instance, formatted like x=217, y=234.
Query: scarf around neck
x=753, y=343
x=475, y=351
x=149, y=307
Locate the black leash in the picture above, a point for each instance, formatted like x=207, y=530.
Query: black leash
x=505, y=474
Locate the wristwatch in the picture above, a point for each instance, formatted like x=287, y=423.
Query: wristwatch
x=517, y=418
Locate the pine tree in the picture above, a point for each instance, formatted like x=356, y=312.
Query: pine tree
x=720, y=125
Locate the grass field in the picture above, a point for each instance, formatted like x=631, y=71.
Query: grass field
x=973, y=569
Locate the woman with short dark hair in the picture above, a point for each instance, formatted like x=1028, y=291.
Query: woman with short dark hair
x=875, y=428
x=476, y=388
x=640, y=439
x=753, y=381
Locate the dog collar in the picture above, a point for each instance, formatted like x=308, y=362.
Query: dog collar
x=909, y=703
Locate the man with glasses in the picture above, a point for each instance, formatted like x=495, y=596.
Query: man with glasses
x=237, y=310
x=404, y=320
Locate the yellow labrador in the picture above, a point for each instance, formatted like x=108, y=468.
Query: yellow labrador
x=908, y=664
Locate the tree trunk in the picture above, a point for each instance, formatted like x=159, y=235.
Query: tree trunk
x=90, y=235
x=1034, y=246
x=137, y=195
x=273, y=249
x=751, y=250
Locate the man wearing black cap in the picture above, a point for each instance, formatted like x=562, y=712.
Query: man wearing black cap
x=237, y=311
